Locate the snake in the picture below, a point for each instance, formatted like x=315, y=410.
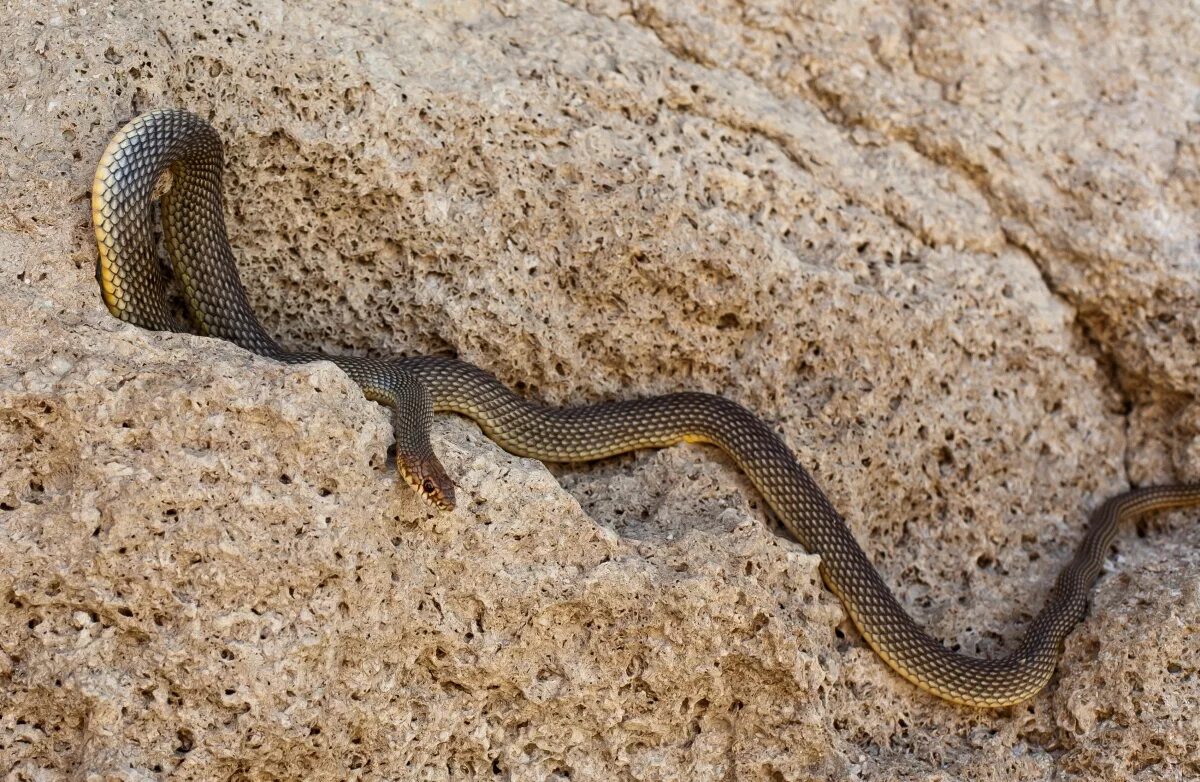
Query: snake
x=175, y=158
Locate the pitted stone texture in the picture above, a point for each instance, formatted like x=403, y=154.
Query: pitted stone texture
x=184, y=576
x=947, y=249
x=1131, y=681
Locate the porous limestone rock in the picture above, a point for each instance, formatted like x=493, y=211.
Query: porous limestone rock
x=948, y=249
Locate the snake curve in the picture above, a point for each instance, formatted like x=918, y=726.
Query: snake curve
x=176, y=151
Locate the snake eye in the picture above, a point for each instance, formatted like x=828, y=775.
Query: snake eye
x=428, y=486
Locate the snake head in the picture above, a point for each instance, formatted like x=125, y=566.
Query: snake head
x=428, y=478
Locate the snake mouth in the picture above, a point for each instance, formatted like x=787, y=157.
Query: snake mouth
x=429, y=480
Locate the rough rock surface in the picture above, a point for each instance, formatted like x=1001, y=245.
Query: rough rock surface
x=949, y=249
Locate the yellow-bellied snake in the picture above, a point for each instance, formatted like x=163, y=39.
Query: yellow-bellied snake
x=177, y=152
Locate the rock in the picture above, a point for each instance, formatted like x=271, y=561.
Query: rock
x=948, y=251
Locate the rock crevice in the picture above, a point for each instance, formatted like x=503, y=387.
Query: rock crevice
x=948, y=250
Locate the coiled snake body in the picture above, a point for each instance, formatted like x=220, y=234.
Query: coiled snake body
x=180, y=153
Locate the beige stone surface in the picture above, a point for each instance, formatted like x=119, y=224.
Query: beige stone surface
x=949, y=249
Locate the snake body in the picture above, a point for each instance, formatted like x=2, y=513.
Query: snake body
x=174, y=145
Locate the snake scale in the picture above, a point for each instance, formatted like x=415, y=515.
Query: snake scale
x=176, y=157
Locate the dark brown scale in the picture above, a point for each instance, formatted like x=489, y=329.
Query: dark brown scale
x=194, y=232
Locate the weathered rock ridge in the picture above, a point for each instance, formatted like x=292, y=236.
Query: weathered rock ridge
x=948, y=249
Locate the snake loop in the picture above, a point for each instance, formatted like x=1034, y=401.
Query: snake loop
x=178, y=156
